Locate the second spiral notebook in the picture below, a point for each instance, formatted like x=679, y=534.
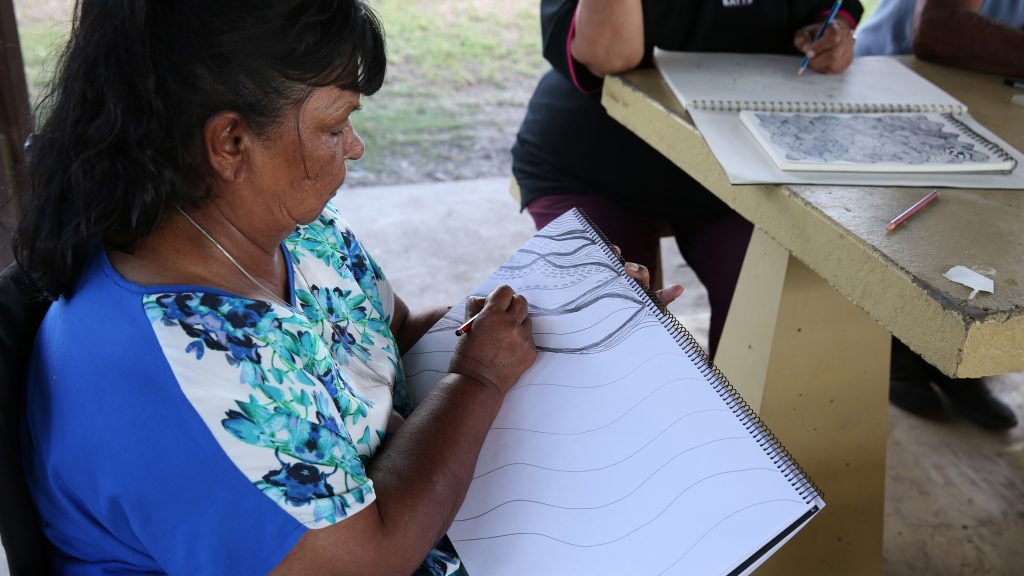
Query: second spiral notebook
x=893, y=142
x=878, y=123
x=623, y=449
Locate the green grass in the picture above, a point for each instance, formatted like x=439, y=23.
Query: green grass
x=451, y=64
x=39, y=44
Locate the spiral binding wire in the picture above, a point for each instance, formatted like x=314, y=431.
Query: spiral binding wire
x=828, y=107
x=753, y=424
x=990, y=146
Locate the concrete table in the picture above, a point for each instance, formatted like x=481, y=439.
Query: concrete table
x=823, y=286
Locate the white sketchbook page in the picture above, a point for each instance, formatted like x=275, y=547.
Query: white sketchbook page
x=894, y=142
x=746, y=162
x=613, y=450
x=698, y=78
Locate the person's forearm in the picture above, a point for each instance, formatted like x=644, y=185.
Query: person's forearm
x=422, y=476
x=951, y=32
x=420, y=479
x=415, y=324
x=609, y=35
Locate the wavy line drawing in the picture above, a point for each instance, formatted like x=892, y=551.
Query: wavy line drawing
x=572, y=252
x=567, y=236
x=424, y=371
x=717, y=524
x=554, y=263
x=623, y=332
x=610, y=338
x=585, y=328
x=521, y=387
x=621, y=498
x=612, y=464
x=603, y=426
x=634, y=530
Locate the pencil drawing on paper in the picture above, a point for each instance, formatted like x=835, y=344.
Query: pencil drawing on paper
x=869, y=139
x=563, y=263
x=615, y=445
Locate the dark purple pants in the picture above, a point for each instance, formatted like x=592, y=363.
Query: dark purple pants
x=714, y=247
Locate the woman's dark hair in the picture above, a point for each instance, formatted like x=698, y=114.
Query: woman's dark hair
x=134, y=87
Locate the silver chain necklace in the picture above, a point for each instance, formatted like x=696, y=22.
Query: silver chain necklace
x=338, y=331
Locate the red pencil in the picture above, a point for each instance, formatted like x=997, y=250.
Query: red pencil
x=466, y=326
x=912, y=210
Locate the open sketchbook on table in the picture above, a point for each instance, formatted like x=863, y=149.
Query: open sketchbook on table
x=891, y=142
x=725, y=93
x=622, y=449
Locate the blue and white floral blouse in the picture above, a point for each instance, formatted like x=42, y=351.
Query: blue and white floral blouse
x=182, y=429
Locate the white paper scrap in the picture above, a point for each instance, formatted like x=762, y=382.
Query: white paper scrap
x=976, y=282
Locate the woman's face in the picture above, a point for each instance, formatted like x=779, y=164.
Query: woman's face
x=300, y=165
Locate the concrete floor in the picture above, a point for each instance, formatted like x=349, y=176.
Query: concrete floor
x=954, y=494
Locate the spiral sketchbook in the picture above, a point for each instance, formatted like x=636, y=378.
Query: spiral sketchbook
x=622, y=449
x=748, y=108
x=893, y=142
x=769, y=83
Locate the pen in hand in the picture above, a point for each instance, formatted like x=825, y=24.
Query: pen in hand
x=821, y=32
x=466, y=326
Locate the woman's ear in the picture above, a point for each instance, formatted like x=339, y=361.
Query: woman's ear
x=226, y=139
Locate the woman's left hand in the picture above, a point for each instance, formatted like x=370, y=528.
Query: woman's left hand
x=833, y=52
x=641, y=274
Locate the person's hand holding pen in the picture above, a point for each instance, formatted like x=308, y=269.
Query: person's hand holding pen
x=639, y=272
x=500, y=346
x=830, y=54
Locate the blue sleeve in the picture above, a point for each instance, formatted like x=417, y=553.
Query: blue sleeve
x=888, y=31
x=124, y=471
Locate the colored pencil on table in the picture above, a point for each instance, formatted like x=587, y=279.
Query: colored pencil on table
x=912, y=210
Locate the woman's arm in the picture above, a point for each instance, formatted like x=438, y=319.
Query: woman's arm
x=585, y=39
x=952, y=32
x=408, y=327
x=421, y=478
x=609, y=35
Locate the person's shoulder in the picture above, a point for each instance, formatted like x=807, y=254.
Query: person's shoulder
x=101, y=330
x=100, y=302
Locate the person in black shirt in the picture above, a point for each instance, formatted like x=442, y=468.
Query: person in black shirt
x=569, y=152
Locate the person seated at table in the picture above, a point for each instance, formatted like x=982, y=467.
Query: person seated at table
x=215, y=390
x=570, y=153
x=987, y=36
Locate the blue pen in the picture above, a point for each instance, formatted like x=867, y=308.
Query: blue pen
x=821, y=32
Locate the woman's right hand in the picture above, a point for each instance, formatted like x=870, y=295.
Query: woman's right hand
x=499, y=347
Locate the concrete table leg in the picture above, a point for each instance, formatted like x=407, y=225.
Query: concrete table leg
x=816, y=369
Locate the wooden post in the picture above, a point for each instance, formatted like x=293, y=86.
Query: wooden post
x=15, y=123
